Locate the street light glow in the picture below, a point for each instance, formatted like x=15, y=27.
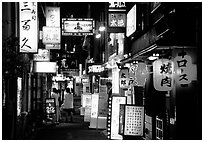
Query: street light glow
x=98, y=35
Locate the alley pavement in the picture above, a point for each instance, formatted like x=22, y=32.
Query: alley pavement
x=77, y=130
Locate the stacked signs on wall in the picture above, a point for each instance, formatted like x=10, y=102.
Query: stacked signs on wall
x=163, y=74
x=28, y=27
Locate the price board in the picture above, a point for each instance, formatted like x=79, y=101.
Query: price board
x=134, y=120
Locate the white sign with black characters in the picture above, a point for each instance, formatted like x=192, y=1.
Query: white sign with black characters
x=28, y=27
x=134, y=120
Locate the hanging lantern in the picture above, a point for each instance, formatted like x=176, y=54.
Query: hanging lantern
x=132, y=80
x=183, y=68
x=141, y=74
x=163, y=74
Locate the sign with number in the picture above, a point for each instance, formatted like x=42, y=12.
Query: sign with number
x=28, y=27
x=50, y=106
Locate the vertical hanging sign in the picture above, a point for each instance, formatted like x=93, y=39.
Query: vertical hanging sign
x=163, y=74
x=124, y=78
x=52, y=30
x=28, y=27
x=183, y=68
x=52, y=16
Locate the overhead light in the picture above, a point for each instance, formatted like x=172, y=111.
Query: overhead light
x=153, y=57
x=98, y=35
x=102, y=28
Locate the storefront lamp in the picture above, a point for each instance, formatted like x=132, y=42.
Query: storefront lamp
x=102, y=28
x=98, y=35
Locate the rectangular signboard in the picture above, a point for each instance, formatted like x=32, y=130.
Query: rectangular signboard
x=116, y=20
x=134, y=120
x=115, y=110
x=51, y=35
x=79, y=26
x=131, y=21
x=45, y=67
x=50, y=105
x=52, y=16
x=28, y=27
x=103, y=104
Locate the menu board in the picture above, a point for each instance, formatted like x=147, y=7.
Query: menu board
x=116, y=101
x=134, y=120
x=50, y=105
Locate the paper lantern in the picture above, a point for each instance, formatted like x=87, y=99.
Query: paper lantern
x=183, y=68
x=163, y=74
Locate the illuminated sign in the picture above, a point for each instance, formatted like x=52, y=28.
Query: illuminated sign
x=117, y=20
x=134, y=120
x=50, y=105
x=77, y=27
x=163, y=74
x=51, y=35
x=87, y=105
x=52, y=16
x=45, y=67
x=117, y=6
x=28, y=27
x=131, y=21
x=19, y=96
x=115, y=109
x=95, y=69
x=43, y=55
x=183, y=68
x=53, y=46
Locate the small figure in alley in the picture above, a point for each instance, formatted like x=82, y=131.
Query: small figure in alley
x=67, y=105
x=56, y=95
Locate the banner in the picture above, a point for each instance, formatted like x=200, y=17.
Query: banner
x=28, y=27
